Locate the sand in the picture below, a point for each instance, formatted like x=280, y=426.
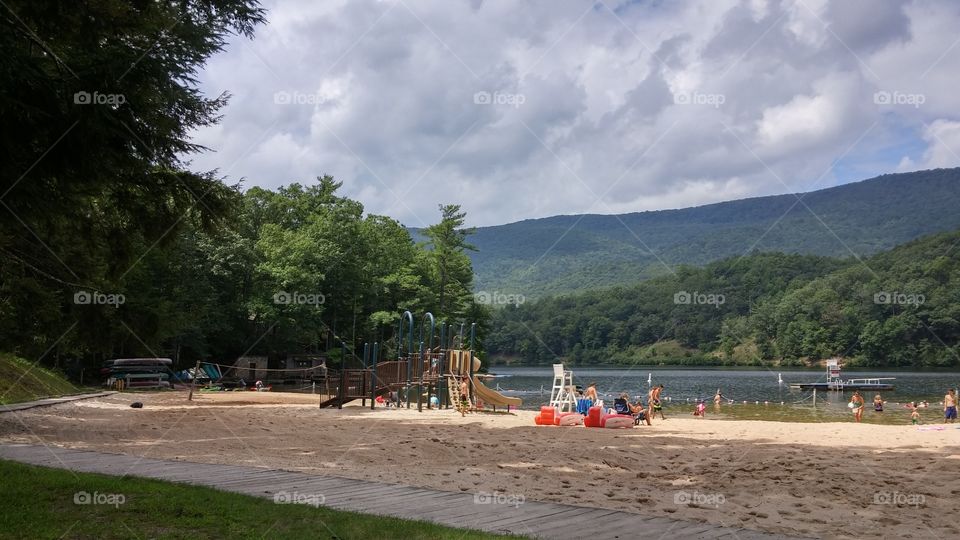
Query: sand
x=836, y=480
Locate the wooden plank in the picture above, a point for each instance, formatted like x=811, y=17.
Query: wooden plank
x=14, y=407
x=541, y=519
x=558, y=521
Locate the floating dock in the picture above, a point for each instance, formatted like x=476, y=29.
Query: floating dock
x=851, y=384
x=834, y=382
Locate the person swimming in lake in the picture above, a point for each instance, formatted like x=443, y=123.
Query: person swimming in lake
x=857, y=402
x=877, y=403
x=717, y=399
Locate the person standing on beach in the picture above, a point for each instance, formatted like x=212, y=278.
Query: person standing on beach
x=654, y=401
x=857, y=401
x=950, y=407
x=464, y=396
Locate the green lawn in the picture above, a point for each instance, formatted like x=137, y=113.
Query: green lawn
x=37, y=502
x=21, y=380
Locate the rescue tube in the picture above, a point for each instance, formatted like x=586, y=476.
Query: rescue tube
x=614, y=421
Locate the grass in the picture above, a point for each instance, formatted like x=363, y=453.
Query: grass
x=21, y=380
x=38, y=502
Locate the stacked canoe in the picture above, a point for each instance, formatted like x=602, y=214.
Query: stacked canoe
x=138, y=372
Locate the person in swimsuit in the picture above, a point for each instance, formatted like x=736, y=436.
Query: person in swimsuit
x=877, y=403
x=950, y=407
x=639, y=413
x=656, y=406
x=915, y=415
x=591, y=393
x=857, y=401
x=464, y=397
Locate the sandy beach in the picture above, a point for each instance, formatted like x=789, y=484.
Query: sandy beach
x=834, y=480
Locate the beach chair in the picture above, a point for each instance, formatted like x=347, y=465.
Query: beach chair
x=621, y=406
x=563, y=394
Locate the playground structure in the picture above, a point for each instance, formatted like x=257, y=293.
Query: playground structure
x=429, y=369
x=433, y=366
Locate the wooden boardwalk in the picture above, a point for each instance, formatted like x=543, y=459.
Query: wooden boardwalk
x=48, y=401
x=464, y=510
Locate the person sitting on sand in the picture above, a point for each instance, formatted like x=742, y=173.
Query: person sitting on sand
x=857, y=401
x=621, y=405
x=639, y=413
x=877, y=403
x=950, y=407
x=591, y=393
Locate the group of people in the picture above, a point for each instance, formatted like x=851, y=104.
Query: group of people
x=857, y=404
x=622, y=405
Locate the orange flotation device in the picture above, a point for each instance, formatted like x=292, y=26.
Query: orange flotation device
x=593, y=417
x=546, y=416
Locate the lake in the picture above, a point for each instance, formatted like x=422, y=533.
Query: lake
x=766, y=399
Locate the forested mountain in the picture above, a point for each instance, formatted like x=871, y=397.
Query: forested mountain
x=896, y=308
x=567, y=253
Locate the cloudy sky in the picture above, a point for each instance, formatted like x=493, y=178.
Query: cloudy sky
x=518, y=110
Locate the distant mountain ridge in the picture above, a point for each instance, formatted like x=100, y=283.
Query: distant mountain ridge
x=560, y=254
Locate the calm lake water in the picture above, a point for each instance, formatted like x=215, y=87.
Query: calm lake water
x=766, y=398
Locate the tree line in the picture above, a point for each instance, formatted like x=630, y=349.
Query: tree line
x=112, y=245
x=897, y=308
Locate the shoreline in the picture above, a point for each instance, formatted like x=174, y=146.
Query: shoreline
x=828, y=479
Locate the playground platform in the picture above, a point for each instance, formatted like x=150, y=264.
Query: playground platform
x=533, y=519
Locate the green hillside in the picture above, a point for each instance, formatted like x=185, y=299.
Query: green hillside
x=568, y=253
x=21, y=380
x=897, y=308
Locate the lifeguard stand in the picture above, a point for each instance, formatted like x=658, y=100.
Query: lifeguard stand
x=833, y=374
x=563, y=395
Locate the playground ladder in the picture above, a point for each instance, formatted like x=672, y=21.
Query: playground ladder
x=453, y=386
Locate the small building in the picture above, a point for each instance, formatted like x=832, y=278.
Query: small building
x=249, y=368
x=306, y=366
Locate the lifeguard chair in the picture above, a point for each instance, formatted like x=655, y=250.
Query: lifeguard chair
x=563, y=395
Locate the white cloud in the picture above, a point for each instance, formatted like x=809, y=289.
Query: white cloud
x=587, y=111
x=943, y=147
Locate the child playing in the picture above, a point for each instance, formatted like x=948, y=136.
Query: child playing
x=701, y=409
x=915, y=415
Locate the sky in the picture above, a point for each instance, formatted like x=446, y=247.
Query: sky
x=519, y=110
